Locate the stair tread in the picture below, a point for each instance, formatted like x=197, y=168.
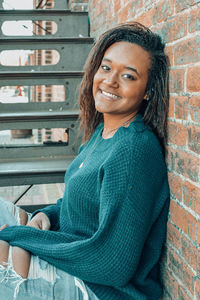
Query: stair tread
x=9, y=40
x=38, y=114
x=34, y=165
x=33, y=12
x=45, y=74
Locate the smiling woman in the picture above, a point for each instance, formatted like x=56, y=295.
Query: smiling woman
x=120, y=83
x=105, y=236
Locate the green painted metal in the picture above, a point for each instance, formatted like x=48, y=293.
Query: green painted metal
x=73, y=52
x=69, y=24
x=33, y=171
x=58, y=4
x=22, y=165
x=70, y=80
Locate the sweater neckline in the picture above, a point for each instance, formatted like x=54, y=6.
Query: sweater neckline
x=137, y=124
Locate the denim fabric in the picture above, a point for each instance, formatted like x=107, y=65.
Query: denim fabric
x=44, y=281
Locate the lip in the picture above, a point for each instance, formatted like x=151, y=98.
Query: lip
x=109, y=95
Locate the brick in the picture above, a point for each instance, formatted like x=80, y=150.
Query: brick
x=188, y=278
x=198, y=233
x=193, y=79
x=177, y=134
x=126, y=12
x=170, y=285
x=181, y=5
x=190, y=196
x=197, y=288
x=176, y=80
x=166, y=296
x=137, y=4
x=163, y=10
x=171, y=107
x=146, y=17
x=194, y=108
x=189, y=251
x=175, y=264
x=173, y=235
x=183, y=219
x=187, y=51
x=165, y=30
x=183, y=163
x=98, y=9
x=175, y=183
x=198, y=261
x=173, y=29
x=169, y=52
x=183, y=294
x=181, y=108
x=117, y=5
x=194, y=139
x=180, y=28
x=194, y=20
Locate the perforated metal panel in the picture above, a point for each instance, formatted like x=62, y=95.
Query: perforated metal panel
x=46, y=163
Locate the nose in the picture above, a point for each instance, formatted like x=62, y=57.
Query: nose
x=111, y=79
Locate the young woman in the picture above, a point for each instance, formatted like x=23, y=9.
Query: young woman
x=105, y=236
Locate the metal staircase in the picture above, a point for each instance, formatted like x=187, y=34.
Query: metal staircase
x=47, y=162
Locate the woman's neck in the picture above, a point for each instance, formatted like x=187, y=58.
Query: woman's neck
x=113, y=123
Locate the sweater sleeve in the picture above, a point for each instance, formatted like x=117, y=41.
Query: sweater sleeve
x=131, y=184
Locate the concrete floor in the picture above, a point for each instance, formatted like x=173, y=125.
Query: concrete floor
x=38, y=194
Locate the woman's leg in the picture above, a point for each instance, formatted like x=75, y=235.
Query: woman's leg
x=4, y=248
x=20, y=257
x=44, y=281
x=11, y=215
x=21, y=261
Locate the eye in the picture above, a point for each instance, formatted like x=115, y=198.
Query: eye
x=105, y=67
x=129, y=76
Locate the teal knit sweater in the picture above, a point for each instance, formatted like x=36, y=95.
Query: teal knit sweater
x=110, y=225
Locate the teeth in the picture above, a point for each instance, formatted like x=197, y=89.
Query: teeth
x=110, y=95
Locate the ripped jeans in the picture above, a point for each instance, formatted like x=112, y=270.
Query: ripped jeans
x=44, y=281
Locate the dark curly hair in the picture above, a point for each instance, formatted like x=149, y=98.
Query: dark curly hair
x=155, y=110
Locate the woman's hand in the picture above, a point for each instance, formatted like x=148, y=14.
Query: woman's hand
x=40, y=221
x=4, y=226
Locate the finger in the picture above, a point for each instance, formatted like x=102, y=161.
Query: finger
x=33, y=224
x=4, y=226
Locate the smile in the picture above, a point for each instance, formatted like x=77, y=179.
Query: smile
x=109, y=95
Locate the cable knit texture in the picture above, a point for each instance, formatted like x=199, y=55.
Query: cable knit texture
x=110, y=225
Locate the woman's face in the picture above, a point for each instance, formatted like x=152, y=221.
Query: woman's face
x=119, y=85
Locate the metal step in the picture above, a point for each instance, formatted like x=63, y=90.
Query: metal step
x=70, y=81
x=37, y=116
x=61, y=4
x=33, y=171
x=35, y=120
x=69, y=24
x=73, y=52
x=33, y=162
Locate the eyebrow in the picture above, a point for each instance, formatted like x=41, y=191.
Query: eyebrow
x=126, y=67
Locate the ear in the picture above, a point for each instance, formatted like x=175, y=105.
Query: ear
x=146, y=97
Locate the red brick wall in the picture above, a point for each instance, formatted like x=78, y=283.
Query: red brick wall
x=178, y=21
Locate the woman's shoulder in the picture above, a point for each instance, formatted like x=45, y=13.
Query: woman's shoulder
x=139, y=137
